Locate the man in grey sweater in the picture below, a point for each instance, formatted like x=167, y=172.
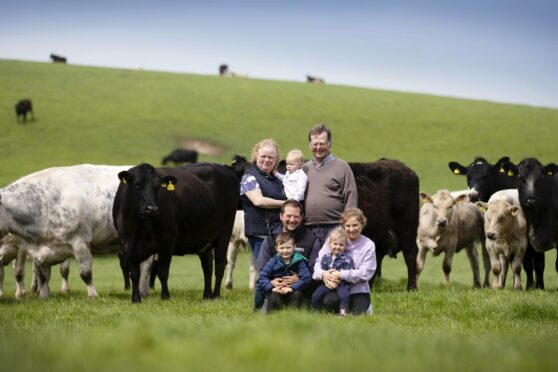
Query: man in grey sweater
x=331, y=185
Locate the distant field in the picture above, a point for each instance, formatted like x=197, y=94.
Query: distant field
x=98, y=115
x=110, y=116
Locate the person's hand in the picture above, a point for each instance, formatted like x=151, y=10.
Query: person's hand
x=331, y=278
x=276, y=290
x=277, y=283
x=290, y=280
x=286, y=290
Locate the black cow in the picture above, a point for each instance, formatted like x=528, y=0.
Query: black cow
x=483, y=180
x=58, y=59
x=538, y=196
x=388, y=194
x=176, y=211
x=315, y=80
x=23, y=107
x=180, y=156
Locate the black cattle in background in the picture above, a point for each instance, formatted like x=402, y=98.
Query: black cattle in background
x=223, y=70
x=22, y=108
x=176, y=211
x=483, y=180
x=538, y=196
x=181, y=156
x=314, y=80
x=58, y=59
x=388, y=194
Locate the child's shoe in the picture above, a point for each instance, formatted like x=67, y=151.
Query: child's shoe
x=342, y=312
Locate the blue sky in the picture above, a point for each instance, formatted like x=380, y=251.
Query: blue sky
x=498, y=50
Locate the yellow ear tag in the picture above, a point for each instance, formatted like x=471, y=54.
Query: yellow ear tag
x=170, y=186
x=456, y=171
x=510, y=173
x=549, y=173
x=164, y=185
x=124, y=180
x=502, y=170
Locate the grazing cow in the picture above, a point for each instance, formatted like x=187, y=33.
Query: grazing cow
x=538, y=196
x=58, y=59
x=181, y=156
x=239, y=241
x=314, y=80
x=388, y=194
x=484, y=179
x=449, y=225
x=176, y=211
x=62, y=212
x=506, y=235
x=23, y=107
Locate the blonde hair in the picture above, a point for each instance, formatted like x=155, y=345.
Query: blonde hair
x=337, y=234
x=264, y=143
x=296, y=153
x=353, y=212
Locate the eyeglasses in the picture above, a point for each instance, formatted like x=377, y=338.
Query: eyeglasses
x=315, y=145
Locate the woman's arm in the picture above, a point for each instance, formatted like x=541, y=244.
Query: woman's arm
x=261, y=201
x=366, y=267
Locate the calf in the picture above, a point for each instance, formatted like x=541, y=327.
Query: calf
x=22, y=108
x=176, y=211
x=181, y=156
x=239, y=241
x=449, y=225
x=506, y=236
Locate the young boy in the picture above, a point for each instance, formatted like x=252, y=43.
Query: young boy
x=294, y=181
x=337, y=259
x=285, y=262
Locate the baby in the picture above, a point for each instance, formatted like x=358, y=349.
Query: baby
x=337, y=259
x=294, y=181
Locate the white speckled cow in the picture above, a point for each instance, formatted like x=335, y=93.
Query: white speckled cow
x=60, y=213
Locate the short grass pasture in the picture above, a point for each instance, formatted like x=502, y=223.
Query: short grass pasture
x=114, y=116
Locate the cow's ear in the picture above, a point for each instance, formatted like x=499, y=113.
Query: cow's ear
x=425, y=198
x=509, y=168
x=457, y=168
x=482, y=206
x=514, y=210
x=550, y=169
x=168, y=182
x=124, y=177
x=500, y=164
x=460, y=199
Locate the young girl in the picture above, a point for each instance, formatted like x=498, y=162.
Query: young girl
x=337, y=259
x=286, y=262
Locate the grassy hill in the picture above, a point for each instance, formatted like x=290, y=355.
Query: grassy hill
x=115, y=116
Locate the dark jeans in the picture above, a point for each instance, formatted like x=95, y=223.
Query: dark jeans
x=321, y=232
x=342, y=290
x=276, y=301
x=358, y=303
x=256, y=244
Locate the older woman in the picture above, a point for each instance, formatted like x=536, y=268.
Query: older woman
x=262, y=194
x=363, y=252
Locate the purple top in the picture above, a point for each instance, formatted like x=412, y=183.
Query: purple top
x=363, y=252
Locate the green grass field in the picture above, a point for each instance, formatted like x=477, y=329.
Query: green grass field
x=95, y=115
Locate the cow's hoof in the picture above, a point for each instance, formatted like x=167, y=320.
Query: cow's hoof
x=228, y=286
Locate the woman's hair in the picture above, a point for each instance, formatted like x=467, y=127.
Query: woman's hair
x=337, y=234
x=284, y=237
x=264, y=143
x=297, y=154
x=353, y=213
